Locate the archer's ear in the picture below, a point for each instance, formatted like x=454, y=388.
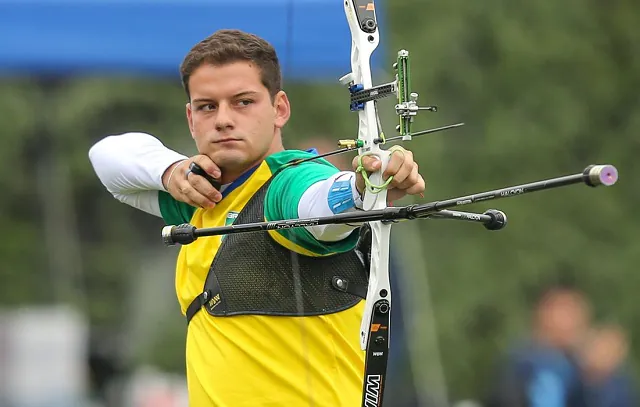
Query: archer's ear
x=189, y=117
x=282, y=109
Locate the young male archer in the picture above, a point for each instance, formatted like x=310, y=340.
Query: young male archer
x=272, y=331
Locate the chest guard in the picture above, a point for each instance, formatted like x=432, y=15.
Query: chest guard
x=252, y=274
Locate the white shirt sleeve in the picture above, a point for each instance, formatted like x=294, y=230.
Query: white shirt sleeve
x=131, y=165
x=337, y=194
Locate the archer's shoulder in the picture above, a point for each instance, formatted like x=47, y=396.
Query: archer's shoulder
x=278, y=160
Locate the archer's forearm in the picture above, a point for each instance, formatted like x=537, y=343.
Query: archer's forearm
x=334, y=195
x=131, y=166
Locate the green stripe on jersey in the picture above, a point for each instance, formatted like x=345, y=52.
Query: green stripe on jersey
x=285, y=192
x=174, y=212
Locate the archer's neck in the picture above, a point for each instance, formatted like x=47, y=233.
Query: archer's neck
x=231, y=174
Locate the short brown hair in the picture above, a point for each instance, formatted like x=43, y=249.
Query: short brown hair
x=227, y=46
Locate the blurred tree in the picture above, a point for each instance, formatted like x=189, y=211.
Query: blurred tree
x=545, y=88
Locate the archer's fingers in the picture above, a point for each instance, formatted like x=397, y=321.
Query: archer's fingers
x=402, y=174
x=370, y=163
x=407, y=177
x=400, y=164
x=204, y=187
x=207, y=165
x=190, y=195
x=417, y=188
x=196, y=199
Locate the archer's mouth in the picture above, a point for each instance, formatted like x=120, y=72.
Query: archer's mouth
x=226, y=140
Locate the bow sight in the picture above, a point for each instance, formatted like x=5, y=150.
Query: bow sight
x=406, y=107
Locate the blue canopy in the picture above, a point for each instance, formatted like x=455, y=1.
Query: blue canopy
x=150, y=37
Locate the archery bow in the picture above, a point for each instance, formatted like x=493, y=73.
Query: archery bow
x=375, y=325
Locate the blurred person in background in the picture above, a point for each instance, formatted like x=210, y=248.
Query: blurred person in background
x=541, y=372
x=605, y=379
x=567, y=362
x=265, y=328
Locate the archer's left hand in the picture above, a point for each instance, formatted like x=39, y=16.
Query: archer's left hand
x=406, y=179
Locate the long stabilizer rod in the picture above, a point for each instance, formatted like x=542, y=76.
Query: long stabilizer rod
x=593, y=175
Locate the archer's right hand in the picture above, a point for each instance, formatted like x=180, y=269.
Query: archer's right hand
x=190, y=188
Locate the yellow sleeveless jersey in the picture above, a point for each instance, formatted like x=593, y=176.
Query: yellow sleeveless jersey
x=257, y=360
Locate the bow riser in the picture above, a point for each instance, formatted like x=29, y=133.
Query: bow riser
x=364, y=40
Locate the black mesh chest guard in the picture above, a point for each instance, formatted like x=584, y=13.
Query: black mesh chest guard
x=253, y=274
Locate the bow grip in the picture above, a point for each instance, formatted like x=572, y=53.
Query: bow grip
x=376, y=198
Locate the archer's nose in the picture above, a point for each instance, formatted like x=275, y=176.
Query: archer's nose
x=224, y=119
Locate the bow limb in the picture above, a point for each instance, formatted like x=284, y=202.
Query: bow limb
x=374, y=329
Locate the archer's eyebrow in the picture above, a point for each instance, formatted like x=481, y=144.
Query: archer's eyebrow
x=245, y=93
x=237, y=95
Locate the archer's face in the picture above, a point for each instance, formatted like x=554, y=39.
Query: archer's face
x=232, y=118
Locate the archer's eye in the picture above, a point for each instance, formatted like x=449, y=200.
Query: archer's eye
x=245, y=102
x=207, y=107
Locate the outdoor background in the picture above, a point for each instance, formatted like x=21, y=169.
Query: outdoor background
x=88, y=312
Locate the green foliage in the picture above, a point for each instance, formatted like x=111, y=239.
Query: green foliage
x=545, y=88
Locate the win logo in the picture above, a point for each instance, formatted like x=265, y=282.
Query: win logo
x=372, y=391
